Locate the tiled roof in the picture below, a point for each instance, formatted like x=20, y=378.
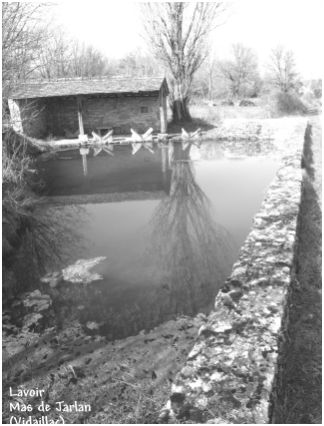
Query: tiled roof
x=79, y=86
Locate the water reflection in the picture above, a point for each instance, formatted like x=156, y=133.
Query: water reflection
x=109, y=149
x=105, y=169
x=84, y=152
x=51, y=239
x=186, y=257
x=194, y=253
x=166, y=253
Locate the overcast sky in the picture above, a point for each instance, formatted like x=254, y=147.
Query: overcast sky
x=114, y=27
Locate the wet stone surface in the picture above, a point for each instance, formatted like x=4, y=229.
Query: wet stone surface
x=229, y=373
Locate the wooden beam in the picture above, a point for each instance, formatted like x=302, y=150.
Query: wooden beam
x=84, y=152
x=163, y=112
x=80, y=117
x=164, y=154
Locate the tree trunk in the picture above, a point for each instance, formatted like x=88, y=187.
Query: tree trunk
x=180, y=111
x=179, y=98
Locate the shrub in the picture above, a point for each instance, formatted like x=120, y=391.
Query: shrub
x=32, y=237
x=289, y=103
x=246, y=103
x=316, y=86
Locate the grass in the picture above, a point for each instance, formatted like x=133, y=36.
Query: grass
x=125, y=381
x=300, y=397
x=215, y=114
x=207, y=117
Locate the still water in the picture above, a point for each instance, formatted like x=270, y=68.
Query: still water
x=169, y=220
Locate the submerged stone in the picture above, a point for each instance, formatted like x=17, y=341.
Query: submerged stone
x=52, y=278
x=80, y=272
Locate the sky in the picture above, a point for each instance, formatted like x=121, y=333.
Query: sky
x=114, y=28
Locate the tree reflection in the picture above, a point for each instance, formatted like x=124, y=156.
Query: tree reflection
x=51, y=237
x=190, y=254
x=193, y=252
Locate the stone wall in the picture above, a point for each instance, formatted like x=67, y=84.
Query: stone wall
x=122, y=113
x=229, y=376
x=119, y=113
x=62, y=116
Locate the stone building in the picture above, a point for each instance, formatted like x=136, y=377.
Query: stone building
x=67, y=108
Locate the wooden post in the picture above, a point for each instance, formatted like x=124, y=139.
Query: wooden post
x=84, y=152
x=80, y=118
x=163, y=111
x=84, y=165
x=164, y=154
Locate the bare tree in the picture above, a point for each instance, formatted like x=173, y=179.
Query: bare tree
x=136, y=64
x=62, y=57
x=22, y=36
x=178, y=34
x=282, y=69
x=241, y=72
x=205, y=79
x=53, y=59
x=86, y=61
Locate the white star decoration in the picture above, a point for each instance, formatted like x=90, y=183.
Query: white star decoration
x=103, y=141
x=190, y=138
x=139, y=141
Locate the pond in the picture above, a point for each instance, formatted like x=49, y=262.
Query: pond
x=168, y=219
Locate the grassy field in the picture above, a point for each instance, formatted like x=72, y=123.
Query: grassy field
x=208, y=116
x=215, y=114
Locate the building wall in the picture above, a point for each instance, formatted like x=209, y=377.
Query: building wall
x=62, y=116
x=121, y=113
x=34, y=117
x=15, y=115
x=100, y=112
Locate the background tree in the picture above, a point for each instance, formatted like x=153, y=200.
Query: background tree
x=63, y=57
x=205, y=80
x=316, y=87
x=283, y=78
x=54, y=57
x=241, y=72
x=282, y=69
x=178, y=34
x=137, y=64
x=22, y=36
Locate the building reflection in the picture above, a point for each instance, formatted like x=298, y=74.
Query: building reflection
x=107, y=171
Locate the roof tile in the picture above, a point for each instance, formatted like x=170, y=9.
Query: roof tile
x=81, y=86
